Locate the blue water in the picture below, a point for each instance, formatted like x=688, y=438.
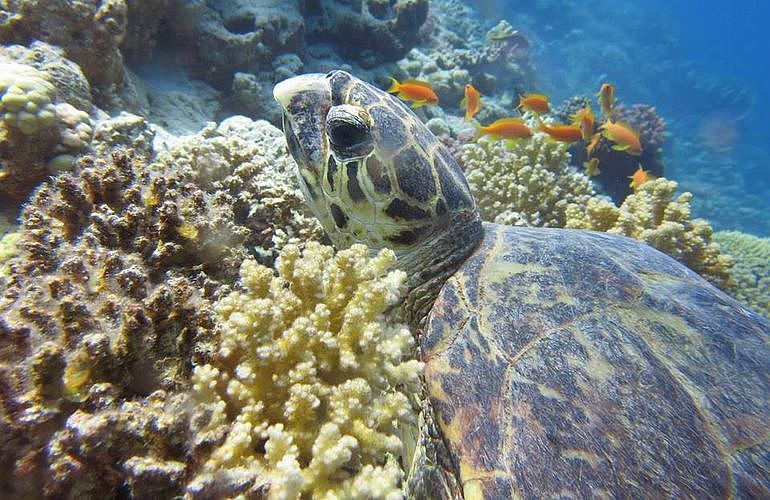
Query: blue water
x=704, y=66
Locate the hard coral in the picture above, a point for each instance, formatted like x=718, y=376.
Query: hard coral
x=751, y=270
x=228, y=36
x=87, y=303
x=655, y=216
x=89, y=31
x=40, y=129
x=310, y=382
x=529, y=183
x=617, y=166
x=645, y=120
x=108, y=302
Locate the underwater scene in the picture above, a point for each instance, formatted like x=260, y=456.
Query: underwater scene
x=384, y=249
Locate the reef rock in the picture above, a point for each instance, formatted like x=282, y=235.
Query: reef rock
x=228, y=36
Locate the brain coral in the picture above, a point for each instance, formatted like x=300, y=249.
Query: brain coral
x=752, y=268
x=655, y=216
x=529, y=183
x=309, y=383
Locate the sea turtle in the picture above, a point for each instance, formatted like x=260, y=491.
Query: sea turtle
x=557, y=362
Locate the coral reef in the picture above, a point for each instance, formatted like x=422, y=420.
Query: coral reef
x=498, y=66
x=617, y=166
x=647, y=122
x=751, y=270
x=245, y=167
x=106, y=307
x=88, y=308
x=309, y=383
x=223, y=37
x=369, y=32
x=89, y=32
x=657, y=217
x=144, y=18
x=40, y=131
x=529, y=183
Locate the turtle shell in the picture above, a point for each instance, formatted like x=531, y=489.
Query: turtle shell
x=573, y=363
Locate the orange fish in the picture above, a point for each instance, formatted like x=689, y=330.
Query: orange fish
x=640, y=177
x=624, y=138
x=505, y=128
x=562, y=133
x=591, y=167
x=584, y=118
x=593, y=143
x=471, y=102
x=420, y=93
x=607, y=100
x=537, y=103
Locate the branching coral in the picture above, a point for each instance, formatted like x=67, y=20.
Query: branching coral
x=752, y=268
x=310, y=382
x=527, y=184
x=110, y=291
x=657, y=217
x=92, y=298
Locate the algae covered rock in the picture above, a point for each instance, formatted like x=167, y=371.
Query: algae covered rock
x=89, y=32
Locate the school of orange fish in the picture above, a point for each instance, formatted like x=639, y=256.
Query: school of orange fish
x=582, y=127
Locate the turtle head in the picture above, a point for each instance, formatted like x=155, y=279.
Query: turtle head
x=373, y=173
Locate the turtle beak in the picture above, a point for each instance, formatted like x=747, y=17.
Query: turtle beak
x=286, y=91
x=305, y=100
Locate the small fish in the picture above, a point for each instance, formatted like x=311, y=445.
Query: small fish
x=419, y=93
x=591, y=167
x=584, y=118
x=562, y=133
x=471, y=102
x=593, y=143
x=537, y=103
x=623, y=136
x=640, y=177
x=505, y=128
x=607, y=100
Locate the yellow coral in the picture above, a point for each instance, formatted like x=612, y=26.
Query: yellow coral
x=527, y=184
x=25, y=98
x=310, y=381
x=655, y=216
x=751, y=270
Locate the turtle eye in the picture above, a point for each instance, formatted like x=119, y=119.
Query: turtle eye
x=349, y=131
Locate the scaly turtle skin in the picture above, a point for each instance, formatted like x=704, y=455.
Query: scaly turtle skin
x=558, y=362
